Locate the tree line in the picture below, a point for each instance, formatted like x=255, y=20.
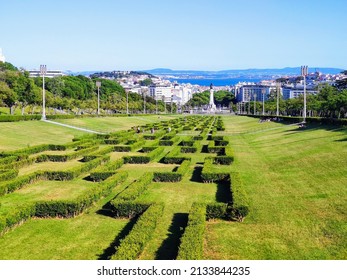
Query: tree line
x=76, y=94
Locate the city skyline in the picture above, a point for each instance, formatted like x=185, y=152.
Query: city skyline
x=191, y=35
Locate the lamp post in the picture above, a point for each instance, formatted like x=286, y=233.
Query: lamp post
x=255, y=98
x=263, y=92
x=278, y=100
x=98, y=85
x=43, y=71
x=171, y=103
x=127, y=103
x=156, y=104
x=249, y=104
x=304, y=70
x=144, y=101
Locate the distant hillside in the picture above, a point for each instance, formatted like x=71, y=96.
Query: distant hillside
x=241, y=72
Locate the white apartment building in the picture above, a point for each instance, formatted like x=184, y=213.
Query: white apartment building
x=247, y=93
x=161, y=93
x=294, y=92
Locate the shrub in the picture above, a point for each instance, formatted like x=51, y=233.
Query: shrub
x=167, y=177
x=133, y=244
x=19, y=182
x=188, y=150
x=240, y=206
x=122, y=148
x=72, y=208
x=126, y=209
x=210, y=173
x=216, y=210
x=75, y=171
x=136, y=188
x=191, y=247
x=9, y=174
x=17, y=118
x=223, y=160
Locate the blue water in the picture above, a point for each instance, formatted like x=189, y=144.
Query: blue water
x=215, y=82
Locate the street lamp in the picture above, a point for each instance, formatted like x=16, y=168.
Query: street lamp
x=156, y=104
x=249, y=104
x=43, y=71
x=263, y=92
x=127, y=103
x=98, y=85
x=255, y=98
x=278, y=100
x=304, y=71
x=144, y=101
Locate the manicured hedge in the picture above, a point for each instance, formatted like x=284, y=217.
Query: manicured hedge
x=16, y=216
x=8, y=174
x=67, y=157
x=17, y=118
x=103, y=172
x=126, y=209
x=216, y=210
x=144, y=159
x=136, y=188
x=167, y=177
x=223, y=160
x=191, y=247
x=133, y=244
x=187, y=150
x=19, y=182
x=76, y=206
x=240, y=204
x=210, y=173
x=75, y=171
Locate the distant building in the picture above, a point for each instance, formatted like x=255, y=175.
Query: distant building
x=160, y=93
x=49, y=74
x=294, y=92
x=247, y=93
x=2, y=58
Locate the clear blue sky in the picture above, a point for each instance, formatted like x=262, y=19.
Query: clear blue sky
x=178, y=34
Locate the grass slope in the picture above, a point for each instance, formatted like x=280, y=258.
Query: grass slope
x=296, y=180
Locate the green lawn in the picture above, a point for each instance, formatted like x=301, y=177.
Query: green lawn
x=296, y=181
x=16, y=135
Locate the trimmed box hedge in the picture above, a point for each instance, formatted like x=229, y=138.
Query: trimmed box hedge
x=133, y=244
x=191, y=247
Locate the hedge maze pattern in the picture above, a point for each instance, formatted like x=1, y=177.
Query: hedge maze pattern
x=89, y=157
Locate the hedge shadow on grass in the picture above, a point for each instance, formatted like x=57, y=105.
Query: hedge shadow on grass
x=223, y=193
x=196, y=174
x=111, y=249
x=168, y=249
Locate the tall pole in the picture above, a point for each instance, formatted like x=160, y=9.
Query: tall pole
x=43, y=71
x=249, y=104
x=304, y=71
x=127, y=103
x=171, y=103
x=263, y=92
x=98, y=85
x=278, y=100
x=255, y=98
x=156, y=104
x=144, y=102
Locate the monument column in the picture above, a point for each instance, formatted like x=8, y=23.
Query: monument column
x=211, y=105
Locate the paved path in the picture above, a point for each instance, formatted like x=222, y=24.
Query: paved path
x=74, y=127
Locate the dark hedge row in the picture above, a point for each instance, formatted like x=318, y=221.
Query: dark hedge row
x=74, y=172
x=17, y=118
x=8, y=174
x=144, y=159
x=60, y=208
x=76, y=206
x=123, y=205
x=191, y=247
x=19, y=182
x=173, y=176
x=103, y=172
x=67, y=157
x=210, y=173
x=133, y=244
x=240, y=204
